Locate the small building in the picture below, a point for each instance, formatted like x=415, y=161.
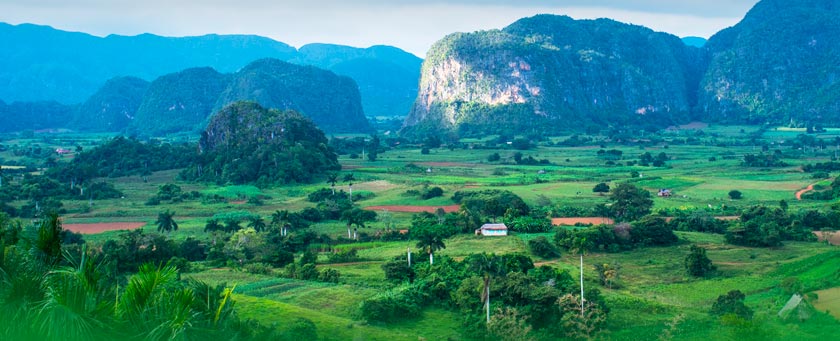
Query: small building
x=492, y=230
x=62, y=151
x=666, y=193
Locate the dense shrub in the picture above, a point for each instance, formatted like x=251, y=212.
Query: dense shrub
x=652, y=231
x=541, y=247
x=398, y=304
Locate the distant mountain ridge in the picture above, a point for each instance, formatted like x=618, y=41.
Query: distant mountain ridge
x=68, y=67
x=184, y=101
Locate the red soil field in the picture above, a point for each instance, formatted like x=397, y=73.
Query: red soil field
x=580, y=220
x=94, y=228
x=601, y=220
x=414, y=209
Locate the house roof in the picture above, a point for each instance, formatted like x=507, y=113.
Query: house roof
x=494, y=227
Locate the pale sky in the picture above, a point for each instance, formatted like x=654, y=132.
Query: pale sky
x=412, y=25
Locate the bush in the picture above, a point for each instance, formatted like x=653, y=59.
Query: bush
x=697, y=264
x=390, y=306
x=343, y=256
x=431, y=192
x=329, y=275
x=258, y=268
x=732, y=303
x=541, y=247
x=735, y=194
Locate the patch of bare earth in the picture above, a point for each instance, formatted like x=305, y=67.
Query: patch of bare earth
x=93, y=228
x=581, y=220
x=832, y=237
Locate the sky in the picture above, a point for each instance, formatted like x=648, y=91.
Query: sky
x=412, y=25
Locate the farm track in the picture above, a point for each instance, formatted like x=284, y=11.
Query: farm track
x=803, y=191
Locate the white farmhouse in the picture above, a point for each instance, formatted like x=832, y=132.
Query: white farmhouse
x=492, y=230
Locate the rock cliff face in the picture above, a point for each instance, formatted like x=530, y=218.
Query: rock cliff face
x=779, y=65
x=550, y=73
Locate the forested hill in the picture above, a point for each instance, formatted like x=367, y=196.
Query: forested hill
x=246, y=143
x=780, y=64
x=184, y=101
x=113, y=107
x=331, y=101
x=547, y=73
x=41, y=63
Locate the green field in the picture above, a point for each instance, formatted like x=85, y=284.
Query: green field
x=651, y=292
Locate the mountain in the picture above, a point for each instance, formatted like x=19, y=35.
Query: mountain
x=332, y=102
x=43, y=63
x=179, y=102
x=246, y=143
x=38, y=115
x=113, y=107
x=695, y=41
x=779, y=65
x=387, y=76
x=551, y=73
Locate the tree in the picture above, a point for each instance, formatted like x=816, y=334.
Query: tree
x=165, y=222
x=280, y=220
x=429, y=239
x=508, y=324
x=582, y=319
x=629, y=202
x=735, y=194
x=732, y=303
x=332, y=178
x=488, y=266
x=358, y=217
x=607, y=273
x=48, y=243
x=697, y=264
x=601, y=188
x=349, y=178
x=652, y=231
x=257, y=223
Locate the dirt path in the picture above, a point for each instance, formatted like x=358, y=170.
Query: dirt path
x=803, y=191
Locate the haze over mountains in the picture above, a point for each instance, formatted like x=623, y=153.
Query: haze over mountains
x=47, y=64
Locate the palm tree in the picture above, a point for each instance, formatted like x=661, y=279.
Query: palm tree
x=280, y=220
x=257, y=223
x=349, y=178
x=232, y=225
x=580, y=246
x=332, y=179
x=430, y=241
x=488, y=266
x=213, y=226
x=166, y=222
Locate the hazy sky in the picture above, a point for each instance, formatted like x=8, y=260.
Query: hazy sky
x=412, y=25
